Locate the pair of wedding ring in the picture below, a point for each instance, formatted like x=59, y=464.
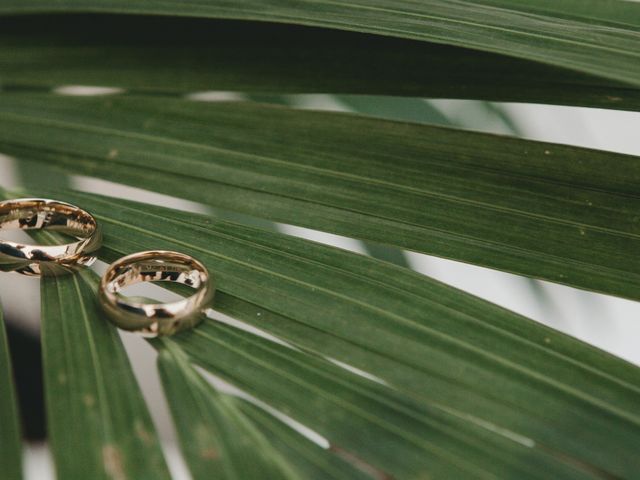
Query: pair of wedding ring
x=148, y=319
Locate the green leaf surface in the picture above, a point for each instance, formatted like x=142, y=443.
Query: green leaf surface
x=34, y=176
x=98, y=424
x=392, y=108
x=227, y=438
x=548, y=211
x=595, y=37
x=375, y=427
x=388, y=254
x=10, y=446
x=405, y=377
x=382, y=107
x=497, y=376
x=306, y=455
x=135, y=53
x=387, y=433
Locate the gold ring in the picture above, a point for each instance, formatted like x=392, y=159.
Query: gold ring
x=155, y=319
x=43, y=214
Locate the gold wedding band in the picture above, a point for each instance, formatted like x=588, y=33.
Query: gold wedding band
x=43, y=214
x=155, y=319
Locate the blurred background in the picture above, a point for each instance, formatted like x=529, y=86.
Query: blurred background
x=608, y=323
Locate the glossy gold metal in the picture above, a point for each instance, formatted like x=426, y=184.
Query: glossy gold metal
x=47, y=260
x=159, y=319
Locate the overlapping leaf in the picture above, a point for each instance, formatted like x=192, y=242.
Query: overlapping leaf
x=386, y=433
x=487, y=370
x=99, y=426
x=135, y=53
x=466, y=389
x=381, y=433
x=604, y=42
x=227, y=438
x=548, y=211
x=10, y=447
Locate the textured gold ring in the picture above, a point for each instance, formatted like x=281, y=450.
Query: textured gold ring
x=43, y=214
x=155, y=319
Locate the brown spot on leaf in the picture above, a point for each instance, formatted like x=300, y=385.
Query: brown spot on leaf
x=112, y=460
x=142, y=433
x=206, y=444
x=360, y=464
x=89, y=400
x=209, y=454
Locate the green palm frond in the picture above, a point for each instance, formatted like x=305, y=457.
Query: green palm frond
x=566, y=36
x=228, y=437
x=474, y=197
x=97, y=420
x=10, y=449
x=135, y=53
x=320, y=363
x=453, y=357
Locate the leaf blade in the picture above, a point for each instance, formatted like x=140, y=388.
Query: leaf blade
x=444, y=463
x=412, y=327
x=134, y=53
x=569, y=218
x=10, y=444
x=568, y=38
x=98, y=423
x=219, y=434
x=350, y=411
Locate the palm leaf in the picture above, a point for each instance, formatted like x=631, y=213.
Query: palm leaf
x=226, y=437
x=10, y=448
x=402, y=377
x=568, y=36
x=408, y=107
x=98, y=424
x=479, y=198
x=134, y=52
x=412, y=440
x=486, y=370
